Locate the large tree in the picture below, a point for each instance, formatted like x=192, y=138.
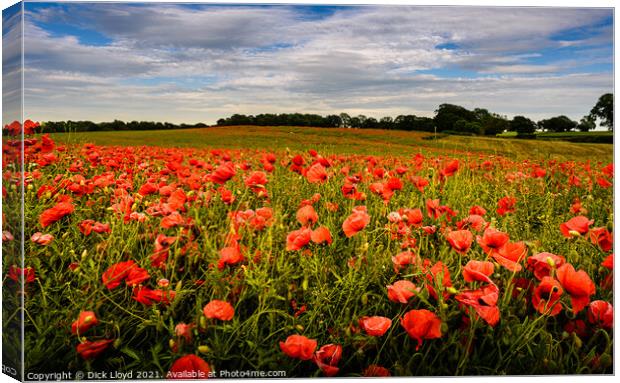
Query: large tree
x=604, y=109
x=522, y=125
x=557, y=124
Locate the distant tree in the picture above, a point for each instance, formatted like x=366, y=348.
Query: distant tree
x=346, y=120
x=522, y=125
x=386, y=123
x=355, y=122
x=370, y=123
x=557, y=124
x=604, y=109
x=586, y=123
x=494, y=124
x=447, y=115
x=333, y=121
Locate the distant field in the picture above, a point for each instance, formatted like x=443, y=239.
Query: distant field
x=371, y=141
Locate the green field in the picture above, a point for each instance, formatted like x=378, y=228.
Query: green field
x=370, y=141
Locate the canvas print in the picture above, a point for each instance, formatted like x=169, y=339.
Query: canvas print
x=204, y=190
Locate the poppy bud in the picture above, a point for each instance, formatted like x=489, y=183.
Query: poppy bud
x=202, y=322
x=299, y=328
x=48, y=195
x=577, y=340
x=29, y=187
x=444, y=327
x=574, y=233
x=304, y=285
x=204, y=349
x=550, y=261
x=117, y=343
x=84, y=253
x=451, y=290
x=172, y=343
x=364, y=299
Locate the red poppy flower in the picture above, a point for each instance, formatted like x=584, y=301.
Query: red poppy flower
x=420, y=325
x=42, y=239
x=16, y=273
x=316, y=174
x=401, y=291
x=90, y=350
x=189, y=367
x=477, y=210
x=327, y=358
x=116, y=273
x=55, y=213
x=376, y=371
x=460, y=240
x=506, y=205
x=229, y=256
x=148, y=188
x=601, y=313
x=473, y=221
x=298, y=239
x=403, y=259
x=217, y=309
x=86, y=320
x=510, y=255
x=542, y=263
x=546, y=297
x=449, y=169
x=148, y=296
x=321, y=235
x=172, y=220
x=484, y=302
x=419, y=182
x=438, y=276
x=375, y=326
x=299, y=347
x=577, y=225
x=306, y=215
x=184, y=331
x=136, y=276
x=223, y=173
x=578, y=284
x=414, y=217
x=608, y=263
x=492, y=240
x=478, y=271
x=256, y=181
x=356, y=221
x=602, y=237
x=432, y=208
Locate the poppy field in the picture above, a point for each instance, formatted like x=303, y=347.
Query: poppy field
x=181, y=261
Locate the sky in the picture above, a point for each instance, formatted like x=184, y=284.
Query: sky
x=201, y=62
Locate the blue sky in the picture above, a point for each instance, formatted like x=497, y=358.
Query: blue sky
x=201, y=62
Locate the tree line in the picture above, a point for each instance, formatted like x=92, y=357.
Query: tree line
x=116, y=125
x=449, y=118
